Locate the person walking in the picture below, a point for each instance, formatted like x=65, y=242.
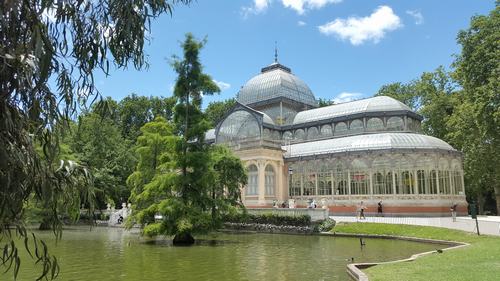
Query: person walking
x=362, y=211
x=379, y=209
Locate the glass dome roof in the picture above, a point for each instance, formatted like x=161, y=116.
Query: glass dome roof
x=276, y=81
x=375, y=104
x=366, y=143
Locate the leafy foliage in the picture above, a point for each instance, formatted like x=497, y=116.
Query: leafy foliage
x=217, y=109
x=475, y=125
x=62, y=42
x=189, y=183
x=463, y=107
x=325, y=102
x=268, y=218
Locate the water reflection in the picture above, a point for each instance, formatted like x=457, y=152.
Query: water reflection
x=115, y=254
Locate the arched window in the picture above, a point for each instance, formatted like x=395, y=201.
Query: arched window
x=378, y=183
x=374, y=125
x=300, y=134
x=253, y=180
x=296, y=184
x=457, y=182
x=407, y=183
x=444, y=182
x=360, y=179
x=324, y=181
x=276, y=135
x=310, y=186
x=341, y=178
x=421, y=180
x=356, y=126
x=433, y=189
x=287, y=135
x=312, y=133
x=270, y=180
x=267, y=134
x=326, y=131
x=382, y=179
x=395, y=124
x=340, y=129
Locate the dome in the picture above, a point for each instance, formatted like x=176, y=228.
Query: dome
x=369, y=142
x=276, y=81
x=375, y=104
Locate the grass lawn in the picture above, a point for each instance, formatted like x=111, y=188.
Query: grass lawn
x=480, y=261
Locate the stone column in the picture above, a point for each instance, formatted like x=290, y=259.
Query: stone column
x=437, y=182
x=393, y=183
x=452, y=183
x=415, y=181
x=371, y=184
x=349, y=183
x=262, y=182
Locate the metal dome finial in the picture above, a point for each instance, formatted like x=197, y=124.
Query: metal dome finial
x=275, y=51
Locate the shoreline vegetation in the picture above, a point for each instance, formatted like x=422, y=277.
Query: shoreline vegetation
x=478, y=261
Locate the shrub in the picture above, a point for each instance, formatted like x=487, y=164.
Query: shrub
x=327, y=225
x=269, y=218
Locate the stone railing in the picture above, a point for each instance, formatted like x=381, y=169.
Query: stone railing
x=315, y=214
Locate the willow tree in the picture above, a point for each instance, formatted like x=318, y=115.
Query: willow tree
x=49, y=52
x=194, y=183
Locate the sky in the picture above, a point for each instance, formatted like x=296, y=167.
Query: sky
x=342, y=49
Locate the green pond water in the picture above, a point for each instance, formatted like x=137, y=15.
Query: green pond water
x=115, y=254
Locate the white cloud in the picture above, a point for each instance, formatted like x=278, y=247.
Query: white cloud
x=346, y=97
x=301, y=23
x=417, y=16
x=358, y=30
x=222, y=85
x=300, y=6
x=259, y=6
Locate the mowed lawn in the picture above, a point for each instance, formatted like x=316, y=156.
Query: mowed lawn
x=478, y=262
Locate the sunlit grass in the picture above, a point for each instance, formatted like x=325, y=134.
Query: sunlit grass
x=479, y=261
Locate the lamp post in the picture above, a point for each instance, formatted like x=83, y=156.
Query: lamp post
x=290, y=173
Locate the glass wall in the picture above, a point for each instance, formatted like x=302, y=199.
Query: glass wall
x=374, y=125
x=384, y=175
x=356, y=127
x=395, y=124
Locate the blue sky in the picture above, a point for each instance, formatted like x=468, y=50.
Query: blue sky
x=343, y=49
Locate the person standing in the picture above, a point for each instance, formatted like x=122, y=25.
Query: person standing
x=453, y=210
x=379, y=209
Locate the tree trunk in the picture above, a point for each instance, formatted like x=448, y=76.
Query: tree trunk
x=183, y=239
x=497, y=197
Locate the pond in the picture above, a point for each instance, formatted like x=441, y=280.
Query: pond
x=115, y=254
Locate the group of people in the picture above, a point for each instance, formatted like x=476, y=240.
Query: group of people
x=362, y=208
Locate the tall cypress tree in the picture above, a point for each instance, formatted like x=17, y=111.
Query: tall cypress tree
x=194, y=183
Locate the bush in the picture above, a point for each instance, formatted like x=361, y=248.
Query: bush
x=327, y=225
x=269, y=218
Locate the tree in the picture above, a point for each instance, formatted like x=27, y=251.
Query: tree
x=188, y=188
x=325, y=102
x=99, y=145
x=404, y=93
x=134, y=111
x=49, y=52
x=433, y=96
x=476, y=123
x=217, y=109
